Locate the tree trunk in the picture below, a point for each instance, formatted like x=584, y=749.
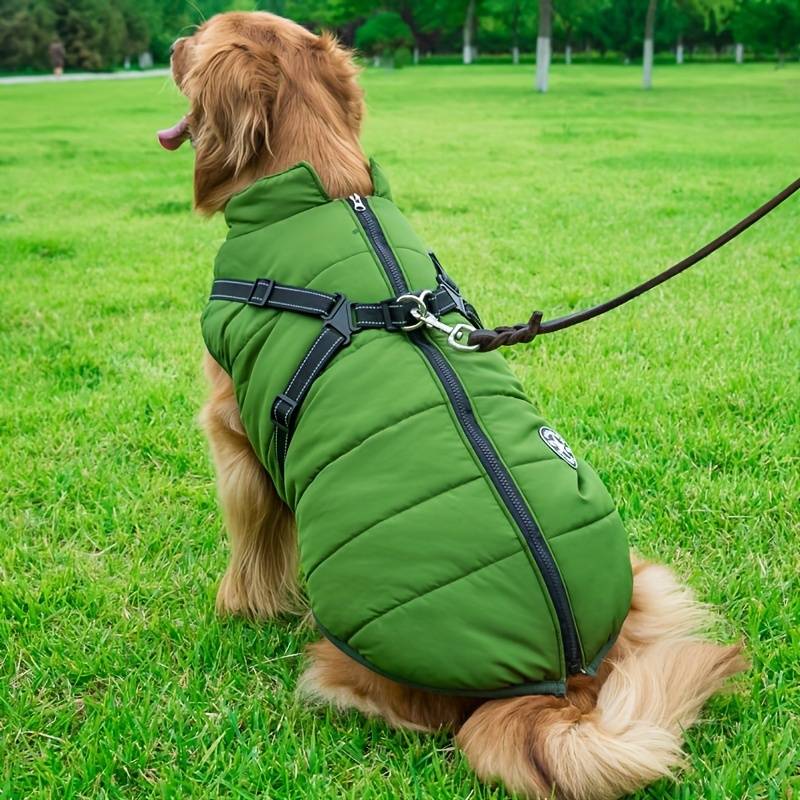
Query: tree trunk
x=739, y=53
x=469, y=33
x=517, y=8
x=679, y=50
x=347, y=33
x=649, y=29
x=568, y=54
x=543, y=44
x=407, y=15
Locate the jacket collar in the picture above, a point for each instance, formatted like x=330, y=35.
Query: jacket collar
x=280, y=196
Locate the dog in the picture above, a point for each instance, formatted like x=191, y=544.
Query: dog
x=264, y=95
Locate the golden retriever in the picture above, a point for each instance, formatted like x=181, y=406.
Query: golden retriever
x=264, y=94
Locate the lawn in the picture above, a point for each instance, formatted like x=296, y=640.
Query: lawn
x=116, y=677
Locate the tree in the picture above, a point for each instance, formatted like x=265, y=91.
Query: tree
x=571, y=16
x=382, y=35
x=470, y=27
x=93, y=33
x=694, y=19
x=414, y=16
x=769, y=26
x=343, y=17
x=615, y=25
x=424, y=18
x=708, y=9
x=647, y=54
x=513, y=16
x=543, y=44
x=679, y=18
x=26, y=29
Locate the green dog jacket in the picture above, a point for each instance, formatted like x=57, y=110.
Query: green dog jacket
x=449, y=538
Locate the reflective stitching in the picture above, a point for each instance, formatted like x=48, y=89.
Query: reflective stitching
x=224, y=297
x=277, y=411
x=320, y=365
x=302, y=363
x=276, y=285
x=273, y=304
x=298, y=289
x=284, y=304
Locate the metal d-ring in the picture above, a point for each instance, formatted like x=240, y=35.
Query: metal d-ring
x=455, y=333
x=420, y=312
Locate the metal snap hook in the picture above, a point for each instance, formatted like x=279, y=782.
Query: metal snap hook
x=455, y=333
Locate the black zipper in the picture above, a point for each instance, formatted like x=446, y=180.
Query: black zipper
x=484, y=449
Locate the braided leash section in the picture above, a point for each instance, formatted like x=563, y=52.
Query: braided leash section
x=506, y=335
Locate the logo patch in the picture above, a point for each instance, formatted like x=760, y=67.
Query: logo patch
x=558, y=446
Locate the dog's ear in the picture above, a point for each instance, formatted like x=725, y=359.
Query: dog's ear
x=339, y=74
x=232, y=94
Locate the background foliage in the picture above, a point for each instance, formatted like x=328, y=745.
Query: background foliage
x=101, y=34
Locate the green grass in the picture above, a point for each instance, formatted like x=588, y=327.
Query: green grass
x=117, y=679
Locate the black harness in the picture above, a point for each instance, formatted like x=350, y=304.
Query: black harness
x=341, y=319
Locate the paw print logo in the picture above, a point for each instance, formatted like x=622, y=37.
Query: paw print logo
x=558, y=446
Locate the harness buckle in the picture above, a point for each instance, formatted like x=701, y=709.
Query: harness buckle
x=449, y=286
x=423, y=316
x=340, y=317
x=255, y=299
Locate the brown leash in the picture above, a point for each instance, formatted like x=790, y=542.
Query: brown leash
x=504, y=336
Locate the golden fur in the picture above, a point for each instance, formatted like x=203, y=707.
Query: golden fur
x=265, y=94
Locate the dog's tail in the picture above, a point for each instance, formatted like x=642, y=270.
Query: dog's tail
x=620, y=731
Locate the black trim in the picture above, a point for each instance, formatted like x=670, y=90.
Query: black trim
x=484, y=449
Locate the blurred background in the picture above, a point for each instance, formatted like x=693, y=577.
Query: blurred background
x=133, y=34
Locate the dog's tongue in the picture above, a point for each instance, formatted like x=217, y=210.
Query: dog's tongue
x=172, y=138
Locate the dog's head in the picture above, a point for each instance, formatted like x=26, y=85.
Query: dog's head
x=264, y=94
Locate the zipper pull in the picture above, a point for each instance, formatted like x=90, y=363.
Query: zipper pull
x=358, y=203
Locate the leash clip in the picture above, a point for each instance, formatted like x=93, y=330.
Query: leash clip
x=457, y=334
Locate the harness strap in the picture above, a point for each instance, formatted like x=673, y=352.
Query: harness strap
x=329, y=342
x=264, y=293
x=341, y=319
x=389, y=314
